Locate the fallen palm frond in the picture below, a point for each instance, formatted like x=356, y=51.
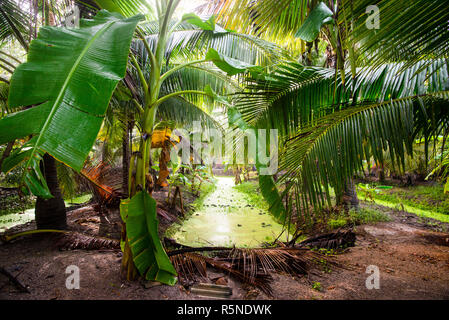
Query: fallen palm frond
x=251, y=266
x=333, y=240
x=189, y=265
x=162, y=213
x=76, y=240
x=70, y=240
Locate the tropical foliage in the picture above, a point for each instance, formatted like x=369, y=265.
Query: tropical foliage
x=339, y=93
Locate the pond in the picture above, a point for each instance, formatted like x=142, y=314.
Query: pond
x=226, y=219
x=13, y=219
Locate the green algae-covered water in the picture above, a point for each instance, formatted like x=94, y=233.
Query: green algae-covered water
x=13, y=219
x=226, y=219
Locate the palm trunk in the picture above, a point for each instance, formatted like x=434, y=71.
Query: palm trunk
x=125, y=160
x=51, y=213
x=7, y=152
x=349, y=199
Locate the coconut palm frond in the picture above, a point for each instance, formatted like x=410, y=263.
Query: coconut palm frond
x=409, y=30
x=302, y=94
x=184, y=113
x=334, y=240
x=189, y=266
x=13, y=22
x=76, y=240
x=274, y=21
x=190, y=42
x=264, y=16
x=330, y=151
x=127, y=8
x=251, y=266
x=105, y=181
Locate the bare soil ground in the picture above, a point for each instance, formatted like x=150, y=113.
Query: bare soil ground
x=412, y=256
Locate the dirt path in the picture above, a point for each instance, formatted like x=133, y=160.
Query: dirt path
x=413, y=261
x=411, y=265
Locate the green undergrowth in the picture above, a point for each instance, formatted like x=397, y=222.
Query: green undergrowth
x=15, y=204
x=205, y=190
x=419, y=212
x=428, y=201
x=427, y=198
x=357, y=217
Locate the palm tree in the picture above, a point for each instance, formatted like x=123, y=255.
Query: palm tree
x=393, y=89
x=69, y=114
x=162, y=89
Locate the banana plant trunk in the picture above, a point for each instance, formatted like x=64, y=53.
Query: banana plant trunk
x=129, y=270
x=51, y=213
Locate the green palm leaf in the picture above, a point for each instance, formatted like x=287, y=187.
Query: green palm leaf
x=410, y=30
x=13, y=22
x=331, y=150
x=70, y=76
x=189, y=42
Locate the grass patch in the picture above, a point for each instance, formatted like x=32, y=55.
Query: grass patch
x=424, y=201
x=362, y=216
x=427, y=198
x=419, y=212
x=316, y=286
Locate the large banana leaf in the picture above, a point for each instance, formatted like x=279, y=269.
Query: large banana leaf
x=139, y=214
x=70, y=76
x=318, y=17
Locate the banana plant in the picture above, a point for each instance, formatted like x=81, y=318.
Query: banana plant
x=68, y=81
x=143, y=251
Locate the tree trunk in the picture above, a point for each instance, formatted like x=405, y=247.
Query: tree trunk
x=6, y=153
x=51, y=213
x=381, y=172
x=125, y=161
x=349, y=199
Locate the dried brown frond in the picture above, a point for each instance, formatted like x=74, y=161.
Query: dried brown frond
x=76, y=240
x=250, y=266
x=166, y=215
x=105, y=181
x=189, y=266
x=333, y=240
